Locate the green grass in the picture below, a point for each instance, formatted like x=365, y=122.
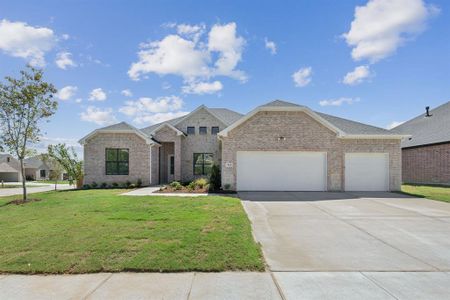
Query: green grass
x=440, y=193
x=101, y=231
x=52, y=181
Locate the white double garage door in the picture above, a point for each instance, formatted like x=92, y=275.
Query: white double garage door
x=307, y=171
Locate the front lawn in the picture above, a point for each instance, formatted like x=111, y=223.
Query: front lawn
x=101, y=231
x=440, y=193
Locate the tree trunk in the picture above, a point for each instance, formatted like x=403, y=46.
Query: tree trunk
x=24, y=185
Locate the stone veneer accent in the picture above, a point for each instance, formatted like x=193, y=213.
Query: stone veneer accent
x=94, y=158
x=302, y=133
x=427, y=164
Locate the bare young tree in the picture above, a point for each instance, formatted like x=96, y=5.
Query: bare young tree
x=24, y=103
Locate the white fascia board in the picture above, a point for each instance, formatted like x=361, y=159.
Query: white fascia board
x=179, y=132
x=376, y=136
x=312, y=114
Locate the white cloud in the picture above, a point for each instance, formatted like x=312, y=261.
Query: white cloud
x=188, y=55
x=381, y=26
x=98, y=116
x=338, y=102
x=302, y=77
x=65, y=36
x=64, y=60
x=171, y=55
x=18, y=39
x=126, y=93
x=67, y=92
x=394, y=124
x=158, y=117
x=358, y=75
x=201, y=88
x=223, y=39
x=271, y=46
x=78, y=100
x=148, y=110
x=166, y=85
x=97, y=95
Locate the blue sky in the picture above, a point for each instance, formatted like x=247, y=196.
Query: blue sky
x=379, y=64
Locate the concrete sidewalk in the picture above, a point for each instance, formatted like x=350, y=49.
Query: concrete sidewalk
x=31, y=189
x=229, y=285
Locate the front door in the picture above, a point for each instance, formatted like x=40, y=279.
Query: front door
x=170, y=168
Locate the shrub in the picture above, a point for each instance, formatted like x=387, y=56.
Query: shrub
x=176, y=185
x=132, y=186
x=227, y=186
x=215, y=178
x=104, y=185
x=127, y=184
x=139, y=183
x=191, y=186
x=201, y=183
x=115, y=185
x=86, y=186
x=94, y=185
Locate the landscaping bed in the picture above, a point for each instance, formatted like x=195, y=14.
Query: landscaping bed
x=83, y=231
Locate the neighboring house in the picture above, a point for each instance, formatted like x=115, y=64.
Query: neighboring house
x=426, y=154
x=9, y=168
x=38, y=169
x=278, y=146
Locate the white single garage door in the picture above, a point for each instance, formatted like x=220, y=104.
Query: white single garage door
x=366, y=171
x=281, y=171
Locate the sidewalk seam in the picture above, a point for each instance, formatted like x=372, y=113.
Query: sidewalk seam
x=192, y=284
x=277, y=285
x=99, y=285
x=378, y=285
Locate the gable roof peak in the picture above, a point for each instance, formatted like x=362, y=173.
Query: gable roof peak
x=280, y=103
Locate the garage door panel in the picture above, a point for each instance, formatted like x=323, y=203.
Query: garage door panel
x=281, y=171
x=366, y=171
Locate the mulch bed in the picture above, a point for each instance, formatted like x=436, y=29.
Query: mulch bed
x=183, y=190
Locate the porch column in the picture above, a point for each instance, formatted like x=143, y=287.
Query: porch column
x=177, y=154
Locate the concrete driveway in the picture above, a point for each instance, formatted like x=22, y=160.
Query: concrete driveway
x=302, y=231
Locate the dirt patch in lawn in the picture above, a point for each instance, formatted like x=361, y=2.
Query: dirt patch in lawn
x=21, y=201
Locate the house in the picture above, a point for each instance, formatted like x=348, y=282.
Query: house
x=9, y=168
x=37, y=168
x=426, y=154
x=279, y=146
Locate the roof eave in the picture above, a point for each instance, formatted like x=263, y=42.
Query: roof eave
x=376, y=136
x=148, y=140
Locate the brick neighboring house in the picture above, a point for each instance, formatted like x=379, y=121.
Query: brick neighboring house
x=278, y=146
x=426, y=154
x=35, y=168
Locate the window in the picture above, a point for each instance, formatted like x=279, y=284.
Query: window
x=203, y=163
x=172, y=165
x=8, y=159
x=215, y=130
x=117, y=161
x=42, y=172
x=202, y=130
x=191, y=130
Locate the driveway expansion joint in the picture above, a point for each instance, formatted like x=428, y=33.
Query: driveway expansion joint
x=98, y=286
x=378, y=285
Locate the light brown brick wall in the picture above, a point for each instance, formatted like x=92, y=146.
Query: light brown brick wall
x=427, y=164
x=302, y=133
x=198, y=143
x=94, y=158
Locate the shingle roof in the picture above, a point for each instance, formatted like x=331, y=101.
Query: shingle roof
x=280, y=103
x=118, y=126
x=5, y=168
x=353, y=127
x=224, y=114
x=427, y=130
x=33, y=162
